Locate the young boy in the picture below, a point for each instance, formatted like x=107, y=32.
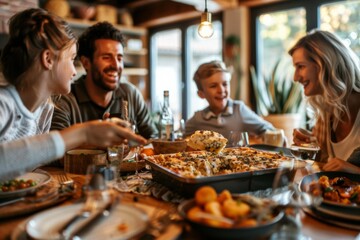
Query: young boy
x=223, y=114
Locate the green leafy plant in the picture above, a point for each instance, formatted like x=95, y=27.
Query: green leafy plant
x=277, y=93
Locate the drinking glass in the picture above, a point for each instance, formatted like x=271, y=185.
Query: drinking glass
x=287, y=194
x=109, y=175
x=238, y=139
x=136, y=180
x=180, y=132
x=137, y=159
x=115, y=159
x=274, y=137
x=98, y=182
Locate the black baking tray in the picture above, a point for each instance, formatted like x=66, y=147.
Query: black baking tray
x=235, y=182
x=285, y=151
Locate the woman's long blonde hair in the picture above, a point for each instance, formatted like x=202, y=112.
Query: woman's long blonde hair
x=339, y=73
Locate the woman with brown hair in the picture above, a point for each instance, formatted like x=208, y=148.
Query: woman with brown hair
x=37, y=62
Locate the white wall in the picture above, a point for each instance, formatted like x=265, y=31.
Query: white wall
x=236, y=22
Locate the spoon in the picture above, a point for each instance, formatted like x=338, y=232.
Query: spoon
x=214, y=217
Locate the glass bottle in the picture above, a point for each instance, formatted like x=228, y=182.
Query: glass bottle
x=166, y=120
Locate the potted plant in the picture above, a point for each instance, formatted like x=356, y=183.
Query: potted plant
x=279, y=99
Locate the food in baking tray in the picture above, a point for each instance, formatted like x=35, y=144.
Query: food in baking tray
x=229, y=160
x=207, y=140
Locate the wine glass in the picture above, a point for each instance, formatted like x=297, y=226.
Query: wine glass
x=289, y=196
x=136, y=180
x=238, y=139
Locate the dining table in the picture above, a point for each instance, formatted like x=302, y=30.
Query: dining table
x=312, y=226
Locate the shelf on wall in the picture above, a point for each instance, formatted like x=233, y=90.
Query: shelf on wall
x=135, y=52
x=124, y=29
x=126, y=72
x=135, y=71
x=142, y=51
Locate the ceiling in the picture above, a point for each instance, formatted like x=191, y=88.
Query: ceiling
x=148, y=13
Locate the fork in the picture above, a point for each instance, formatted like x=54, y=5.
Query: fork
x=65, y=182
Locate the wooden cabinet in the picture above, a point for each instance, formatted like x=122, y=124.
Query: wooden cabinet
x=135, y=51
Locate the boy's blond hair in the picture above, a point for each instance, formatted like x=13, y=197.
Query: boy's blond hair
x=208, y=69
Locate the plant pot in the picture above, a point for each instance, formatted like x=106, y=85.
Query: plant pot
x=288, y=122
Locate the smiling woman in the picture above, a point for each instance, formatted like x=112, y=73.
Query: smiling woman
x=306, y=73
x=37, y=62
x=329, y=71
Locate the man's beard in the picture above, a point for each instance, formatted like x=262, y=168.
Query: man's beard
x=99, y=81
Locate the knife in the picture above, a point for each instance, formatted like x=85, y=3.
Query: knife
x=92, y=220
x=30, y=199
x=11, y=201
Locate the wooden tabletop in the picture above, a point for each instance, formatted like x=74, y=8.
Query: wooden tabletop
x=312, y=227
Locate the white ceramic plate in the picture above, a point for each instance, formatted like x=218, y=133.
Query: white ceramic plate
x=40, y=178
x=339, y=212
x=306, y=147
x=46, y=225
x=324, y=218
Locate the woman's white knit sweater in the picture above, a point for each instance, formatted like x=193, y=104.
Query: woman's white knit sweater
x=25, y=141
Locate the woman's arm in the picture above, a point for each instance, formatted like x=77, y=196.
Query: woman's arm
x=27, y=153
x=336, y=164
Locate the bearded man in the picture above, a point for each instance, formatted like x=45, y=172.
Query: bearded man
x=99, y=92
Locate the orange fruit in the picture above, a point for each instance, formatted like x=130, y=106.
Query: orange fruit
x=148, y=151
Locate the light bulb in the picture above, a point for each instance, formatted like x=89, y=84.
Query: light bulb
x=206, y=29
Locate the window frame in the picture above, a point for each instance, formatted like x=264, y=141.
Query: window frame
x=312, y=9
x=185, y=56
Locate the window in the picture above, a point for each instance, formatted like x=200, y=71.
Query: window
x=343, y=19
x=277, y=27
x=278, y=31
x=202, y=50
x=166, y=48
x=175, y=53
